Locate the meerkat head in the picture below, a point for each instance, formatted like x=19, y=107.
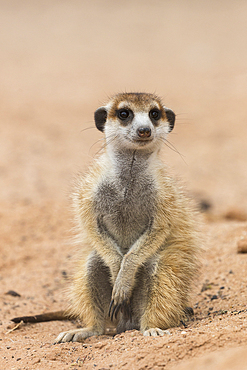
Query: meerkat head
x=135, y=121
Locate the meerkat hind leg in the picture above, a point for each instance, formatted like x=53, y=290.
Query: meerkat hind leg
x=92, y=295
x=167, y=298
x=77, y=335
x=155, y=332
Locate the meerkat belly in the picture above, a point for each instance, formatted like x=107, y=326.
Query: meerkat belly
x=125, y=214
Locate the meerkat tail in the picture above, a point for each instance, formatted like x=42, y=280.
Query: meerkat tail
x=49, y=316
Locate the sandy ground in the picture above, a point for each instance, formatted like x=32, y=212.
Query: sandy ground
x=59, y=62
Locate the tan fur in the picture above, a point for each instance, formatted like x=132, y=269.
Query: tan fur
x=135, y=101
x=169, y=244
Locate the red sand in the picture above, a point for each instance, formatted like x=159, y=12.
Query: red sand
x=59, y=61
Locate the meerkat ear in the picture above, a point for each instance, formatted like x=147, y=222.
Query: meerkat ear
x=170, y=115
x=100, y=116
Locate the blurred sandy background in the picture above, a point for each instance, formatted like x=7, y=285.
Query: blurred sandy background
x=60, y=60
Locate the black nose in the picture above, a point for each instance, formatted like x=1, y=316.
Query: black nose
x=144, y=132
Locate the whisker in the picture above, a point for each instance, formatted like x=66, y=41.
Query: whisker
x=183, y=122
x=102, y=139
x=170, y=146
x=87, y=128
x=106, y=143
x=96, y=142
x=181, y=119
x=173, y=148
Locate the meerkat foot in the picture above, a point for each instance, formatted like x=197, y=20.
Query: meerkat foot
x=155, y=332
x=77, y=335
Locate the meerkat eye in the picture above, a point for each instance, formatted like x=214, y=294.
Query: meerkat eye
x=155, y=114
x=123, y=114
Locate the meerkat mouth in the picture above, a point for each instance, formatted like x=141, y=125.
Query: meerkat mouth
x=140, y=140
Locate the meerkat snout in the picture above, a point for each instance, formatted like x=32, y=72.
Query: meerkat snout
x=144, y=132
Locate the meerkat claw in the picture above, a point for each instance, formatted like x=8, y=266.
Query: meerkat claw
x=126, y=310
x=117, y=310
x=114, y=308
x=110, y=307
x=124, y=307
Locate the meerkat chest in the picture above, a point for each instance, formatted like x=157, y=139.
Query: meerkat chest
x=125, y=208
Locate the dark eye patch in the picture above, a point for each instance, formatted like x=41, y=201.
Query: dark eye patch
x=155, y=115
x=125, y=115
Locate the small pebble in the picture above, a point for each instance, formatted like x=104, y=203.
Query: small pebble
x=214, y=297
x=100, y=345
x=13, y=293
x=64, y=273
x=236, y=214
x=242, y=246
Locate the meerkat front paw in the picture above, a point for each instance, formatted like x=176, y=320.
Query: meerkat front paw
x=76, y=335
x=124, y=307
x=120, y=301
x=155, y=332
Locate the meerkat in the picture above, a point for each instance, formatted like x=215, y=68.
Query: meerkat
x=138, y=225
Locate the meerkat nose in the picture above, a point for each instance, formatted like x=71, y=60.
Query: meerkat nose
x=144, y=132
